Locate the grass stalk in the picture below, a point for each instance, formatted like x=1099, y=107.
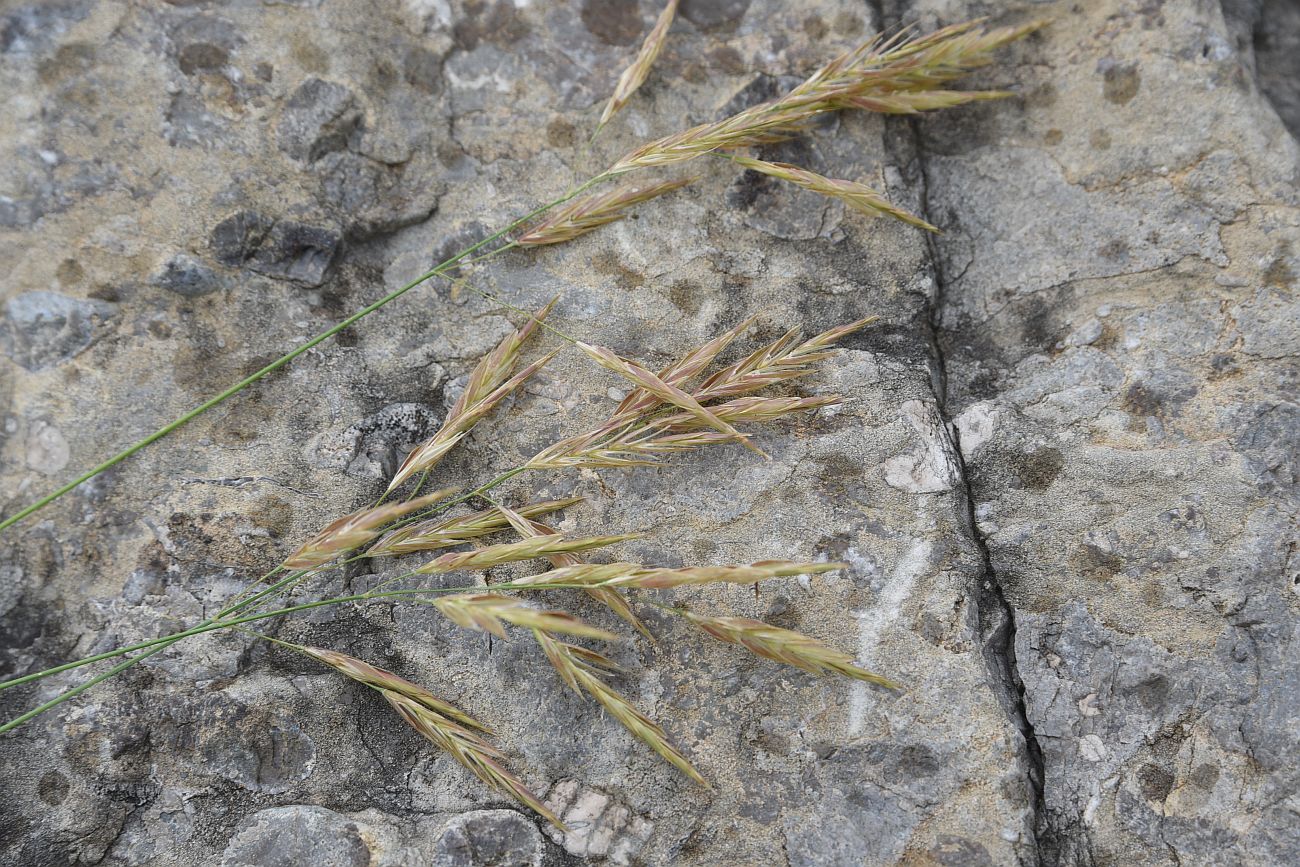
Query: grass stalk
x=299, y=350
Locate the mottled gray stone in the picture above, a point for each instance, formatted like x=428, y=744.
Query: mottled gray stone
x=42, y=329
x=500, y=838
x=294, y=836
x=1064, y=478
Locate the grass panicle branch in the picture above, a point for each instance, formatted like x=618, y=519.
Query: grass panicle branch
x=434, y=533
x=635, y=575
x=354, y=530
x=593, y=211
x=442, y=724
x=783, y=645
x=513, y=552
x=665, y=391
x=581, y=670
x=635, y=75
x=489, y=612
x=859, y=197
x=489, y=383
x=899, y=74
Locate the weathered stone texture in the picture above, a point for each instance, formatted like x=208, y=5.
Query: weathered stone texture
x=1065, y=478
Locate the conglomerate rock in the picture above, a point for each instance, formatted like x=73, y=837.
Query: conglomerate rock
x=1064, y=480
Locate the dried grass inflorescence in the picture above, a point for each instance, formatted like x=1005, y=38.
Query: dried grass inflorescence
x=581, y=670
x=591, y=212
x=639, y=431
x=434, y=533
x=446, y=726
x=859, y=197
x=897, y=75
x=635, y=75
x=354, y=530
x=783, y=645
x=490, y=382
x=513, y=552
x=488, y=612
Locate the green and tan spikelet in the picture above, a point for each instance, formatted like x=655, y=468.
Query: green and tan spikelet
x=897, y=74
x=581, y=670
x=649, y=577
x=635, y=75
x=513, y=552
x=642, y=378
x=354, y=530
x=783, y=645
x=489, y=612
x=448, y=532
x=593, y=211
x=470, y=750
x=609, y=597
x=859, y=197
x=444, y=725
x=489, y=383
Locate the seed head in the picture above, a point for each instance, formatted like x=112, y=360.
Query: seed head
x=635, y=75
x=352, y=531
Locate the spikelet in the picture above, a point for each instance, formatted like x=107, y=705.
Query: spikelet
x=481, y=758
x=647, y=578
x=489, y=612
x=635, y=75
x=611, y=598
x=857, y=196
x=578, y=667
x=666, y=392
x=447, y=532
x=513, y=552
x=783, y=645
x=444, y=725
x=760, y=571
x=784, y=359
x=898, y=73
x=591, y=212
x=489, y=383
x=752, y=409
x=352, y=531
x=370, y=675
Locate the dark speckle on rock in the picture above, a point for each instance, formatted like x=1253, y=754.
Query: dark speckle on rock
x=614, y=22
x=1120, y=83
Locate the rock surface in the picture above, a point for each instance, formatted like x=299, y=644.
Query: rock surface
x=1065, y=480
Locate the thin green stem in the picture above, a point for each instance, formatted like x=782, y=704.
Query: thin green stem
x=290, y=356
x=159, y=644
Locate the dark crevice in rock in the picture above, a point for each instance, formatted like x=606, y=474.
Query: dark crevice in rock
x=1267, y=33
x=997, y=618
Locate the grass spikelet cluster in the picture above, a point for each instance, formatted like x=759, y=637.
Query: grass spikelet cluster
x=513, y=552
x=591, y=212
x=899, y=74
x=488, y=612
x=635, y=75
x=784, y=646
x=447, y=727
x=434, y=533
x=354, y=530
x=580, y=669
x=489, y=383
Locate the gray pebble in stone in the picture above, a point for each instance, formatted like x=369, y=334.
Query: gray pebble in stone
x=318, y=118
x=500, y=838
x=42, y=329
x=295, y=836
x=186, y=276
